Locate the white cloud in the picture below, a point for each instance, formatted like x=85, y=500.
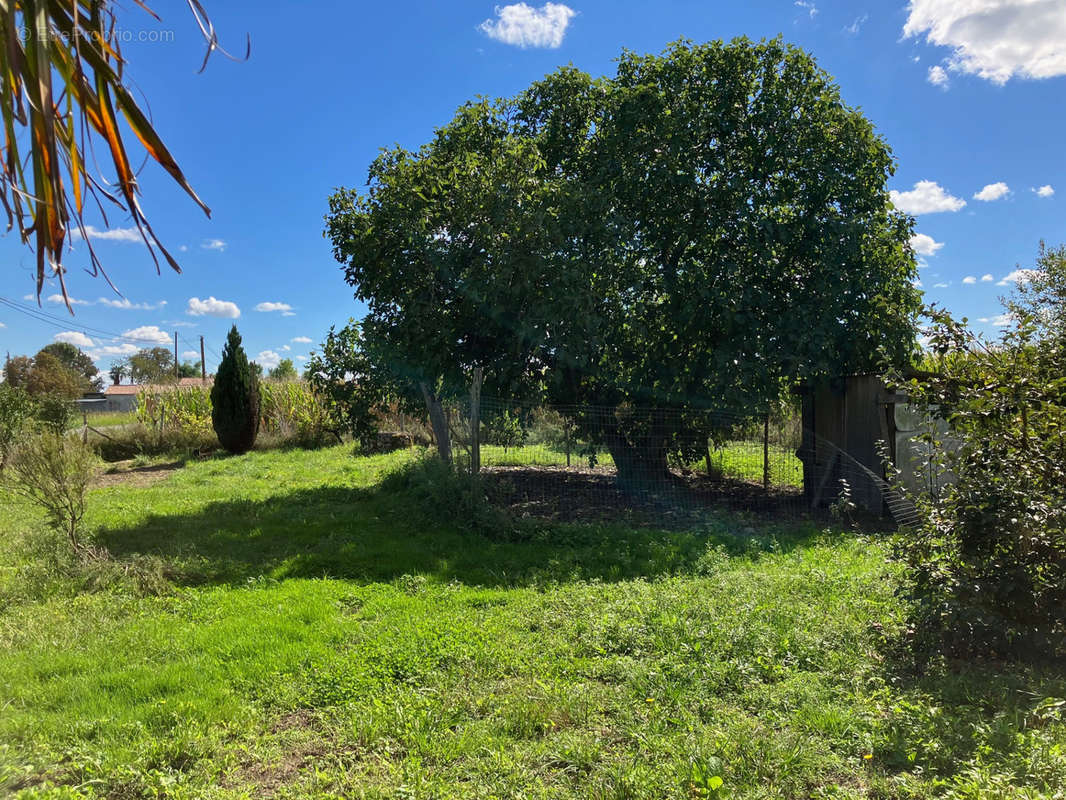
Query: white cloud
x=994, y=39
x=809, y=6
x=302, y=339
x=524, y=26
x=301, y=358
x=273, y=307
x=856, y=26
x=212, y=308
x=150, y=334
x=1044, y=191
x=1000, y=320
x=938, y=76
x=286, y=348
x=268, y=359
x=1017, y=276
x=214, y=244
x=987, y=278
x=191, y=354
x=992, y=191
x=942, y=285
x=925, y=245
x=969, y=280
x=927, y=197
x=126, y=304
x=76, y=338
x=115, y=235
x=58, y=300
x=2, y=325
x=113, y=351
x=288, y=313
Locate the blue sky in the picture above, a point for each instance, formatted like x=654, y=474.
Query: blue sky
x=970, y=94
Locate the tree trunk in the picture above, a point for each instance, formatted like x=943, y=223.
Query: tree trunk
x=439, y=424
x=641, y=465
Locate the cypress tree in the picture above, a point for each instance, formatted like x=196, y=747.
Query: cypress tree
x=235, y=398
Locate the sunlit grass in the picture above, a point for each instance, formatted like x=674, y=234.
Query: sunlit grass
x=324, y=638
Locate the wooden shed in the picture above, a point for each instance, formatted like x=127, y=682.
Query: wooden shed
x=848, y=424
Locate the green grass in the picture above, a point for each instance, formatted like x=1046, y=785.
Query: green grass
x=739, y=460
x=325, y=638
x=107, y=419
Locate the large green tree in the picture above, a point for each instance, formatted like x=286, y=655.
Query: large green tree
x=697, y=232
x=76, y=361
x=151, y=365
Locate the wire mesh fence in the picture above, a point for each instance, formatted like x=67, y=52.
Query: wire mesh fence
x=602, y=463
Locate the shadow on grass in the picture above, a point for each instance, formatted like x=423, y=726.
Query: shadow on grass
x=378, y=534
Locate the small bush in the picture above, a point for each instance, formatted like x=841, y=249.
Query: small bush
x=53, y=471
x=16, y=410
x=549, y=428
x=436, y=488
x=55, y=413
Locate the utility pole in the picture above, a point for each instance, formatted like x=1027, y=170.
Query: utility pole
x=203, y=362
x=176, y=354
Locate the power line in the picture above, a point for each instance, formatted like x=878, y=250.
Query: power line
x=48, y=319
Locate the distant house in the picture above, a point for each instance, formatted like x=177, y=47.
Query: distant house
x=123, y=397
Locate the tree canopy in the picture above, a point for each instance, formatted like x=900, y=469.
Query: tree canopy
x=701, y=230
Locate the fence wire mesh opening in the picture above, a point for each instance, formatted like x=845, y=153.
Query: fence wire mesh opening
x=602, y=463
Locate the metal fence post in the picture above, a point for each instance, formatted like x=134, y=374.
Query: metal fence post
x=475, y=421
x=766, y=453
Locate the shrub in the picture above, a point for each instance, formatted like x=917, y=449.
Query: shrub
x=17, y=408
x=987, y=564
x=53, y=471
x=505, y=430
x=55, y=413
x=549, y=428
x=439, y=490
x=347, y=382
x=235, y=398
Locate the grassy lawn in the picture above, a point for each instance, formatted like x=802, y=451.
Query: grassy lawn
x=319, y=636
x=108, y=419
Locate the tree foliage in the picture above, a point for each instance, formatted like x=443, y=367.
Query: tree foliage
x=49, y=376
x=344, y=375
x=988, y=563
x=151, y=365
x=235, y=398
x=17, y=371
x=76, y=361
x=284, y=371
x=698, y=231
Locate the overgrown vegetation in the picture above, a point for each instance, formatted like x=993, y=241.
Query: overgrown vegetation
x=322, y=636
x=988, y=564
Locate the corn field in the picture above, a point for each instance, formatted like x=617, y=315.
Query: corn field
x=288, y=410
